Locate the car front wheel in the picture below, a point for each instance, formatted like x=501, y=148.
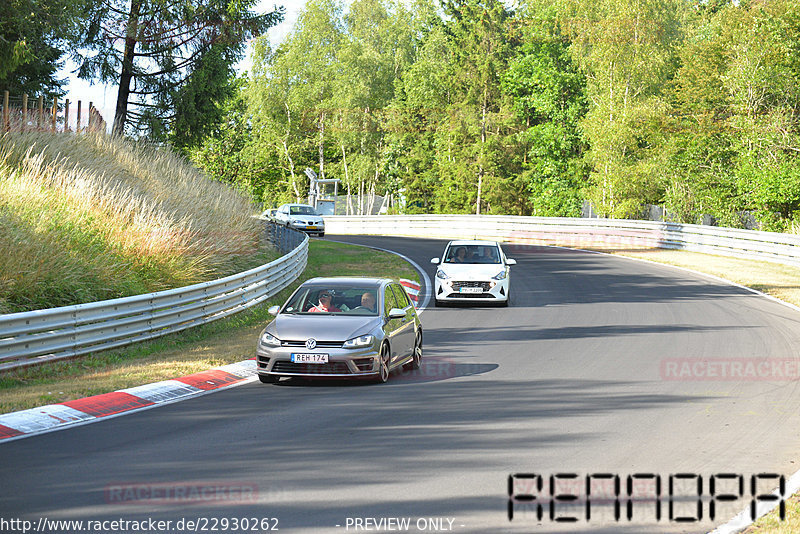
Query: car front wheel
x=383, y=364
x=268, y=379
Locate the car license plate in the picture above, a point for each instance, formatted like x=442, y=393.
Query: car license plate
x=471, y=290
x=309, y=358
x=311, y=227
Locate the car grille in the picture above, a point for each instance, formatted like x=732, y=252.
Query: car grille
x=458, y=285
x=263, y=361
x=320, y=344
x=471, y=296
x=330, y=368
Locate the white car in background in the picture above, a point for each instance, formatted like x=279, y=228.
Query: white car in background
x=472, y=271
x=301, y=217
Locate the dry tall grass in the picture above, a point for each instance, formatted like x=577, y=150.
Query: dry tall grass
x=87, y=217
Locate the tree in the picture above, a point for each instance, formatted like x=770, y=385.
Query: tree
x=233, y=151
x=375, y=52
x=736, y=142
x=547, y=94
x=151, y=48
x=291, y=89
x=34, y=36
x=627, y=50
x=318, y=99
x=478, y=32
x=419, y=110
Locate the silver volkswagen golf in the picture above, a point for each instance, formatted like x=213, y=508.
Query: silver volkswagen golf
x=341, y=327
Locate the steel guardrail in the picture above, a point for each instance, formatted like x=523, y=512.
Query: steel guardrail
x=579, y=233
x=38, y=336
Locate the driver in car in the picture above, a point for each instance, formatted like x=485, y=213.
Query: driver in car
x=368, y=301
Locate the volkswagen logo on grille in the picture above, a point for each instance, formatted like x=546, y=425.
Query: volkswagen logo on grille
x=311, y=343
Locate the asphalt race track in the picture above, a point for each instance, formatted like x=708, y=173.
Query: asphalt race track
x=584, y=373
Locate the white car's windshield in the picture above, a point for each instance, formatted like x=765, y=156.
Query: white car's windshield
x=472, y=254
x=347, y=300
x=301, y=210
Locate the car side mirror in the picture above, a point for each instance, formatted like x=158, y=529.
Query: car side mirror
x=435, y=261
x=396, y=313
x=273, y=310
x=510, y=261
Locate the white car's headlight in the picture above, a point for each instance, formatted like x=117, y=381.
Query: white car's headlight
x=500, y=276
x=360, y=341
x=269, y=339
x=441, y=275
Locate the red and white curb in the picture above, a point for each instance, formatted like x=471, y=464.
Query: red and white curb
x=412, y=288
x=17, y=425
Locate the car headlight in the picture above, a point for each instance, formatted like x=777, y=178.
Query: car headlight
x=500, y=276
x=269, y=339
x=360, y=341
x=441, y=274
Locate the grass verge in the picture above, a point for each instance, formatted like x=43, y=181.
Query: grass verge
x=773, y=524
x=198, y=349
x=90, y=217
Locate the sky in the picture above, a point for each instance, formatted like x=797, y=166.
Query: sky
x=104, y=97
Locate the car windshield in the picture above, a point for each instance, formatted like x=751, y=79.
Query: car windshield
x=301, y=210
x=333, y=300
x=472, y=254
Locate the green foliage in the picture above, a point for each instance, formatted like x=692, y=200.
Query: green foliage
x=233, y=152
x=34, y=36
x=735, y=104
x=547, y=93
x=471, y=107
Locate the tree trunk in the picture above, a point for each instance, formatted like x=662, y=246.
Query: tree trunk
x=322, y=146
x=126, y=75
x=286, y=151
x=346, y=177
x=483, y=151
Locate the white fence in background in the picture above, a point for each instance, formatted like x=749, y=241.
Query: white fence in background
x=38, y=336
x=579, y=233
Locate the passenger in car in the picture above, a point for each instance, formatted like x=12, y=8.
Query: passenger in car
x=325, y=303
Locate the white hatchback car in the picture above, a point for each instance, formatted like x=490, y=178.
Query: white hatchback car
x=301, y=217
x=473, y=271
